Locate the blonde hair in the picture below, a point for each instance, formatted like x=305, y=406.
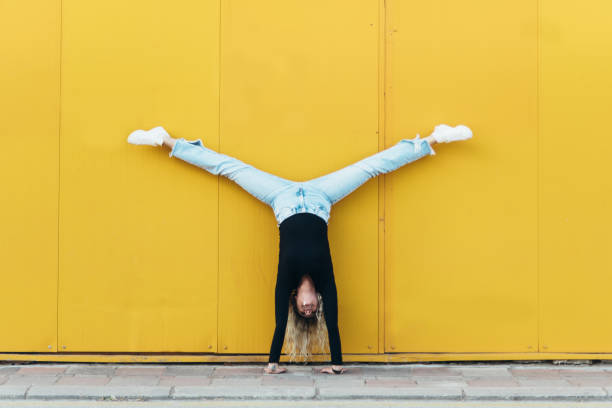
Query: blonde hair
x=305, y=336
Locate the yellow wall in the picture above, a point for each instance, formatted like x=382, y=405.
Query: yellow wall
x=461, y=234
x=29, y=129
x=138, y=237
x=497, y=245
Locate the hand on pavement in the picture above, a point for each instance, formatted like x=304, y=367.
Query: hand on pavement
x=273, y=368
x=330, y=370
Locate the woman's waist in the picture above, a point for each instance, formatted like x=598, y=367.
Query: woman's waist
x=304, y=224
x=297, y=200
x=304, y=246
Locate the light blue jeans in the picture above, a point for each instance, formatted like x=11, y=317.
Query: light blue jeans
x=314, y=196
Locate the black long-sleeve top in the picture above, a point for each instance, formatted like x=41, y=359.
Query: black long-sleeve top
x=304, y=250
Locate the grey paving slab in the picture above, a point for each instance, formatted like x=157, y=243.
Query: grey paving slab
x=31, y=380
x=585, y=372
x=83, y=380
x=492, y=381
x=249, y=392
x=6, y=370
x=236, y=382
x=433, y=380
x=436, y=371
x=390, y=382
x=13, y=391
x=382, y=371
x=544, y=382
x=335, y=382
x=91, y=369
x=535, y=372
x=184, y=380
x=301, y=380
x=134, y=380
x=140, y=370
x=590, y=381
x=441, y=383
x=184, y=370
x=48, y=369
x=238, y=371
x=485, y=372
x=536, y=393
x=93, y=392
x=341, y=392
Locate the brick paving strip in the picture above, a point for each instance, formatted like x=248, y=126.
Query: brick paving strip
x=492, y=381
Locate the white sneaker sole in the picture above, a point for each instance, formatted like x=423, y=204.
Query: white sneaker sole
x=447, y=134
x=151, y=137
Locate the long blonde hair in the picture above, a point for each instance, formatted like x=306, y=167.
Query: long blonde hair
x=305, y=336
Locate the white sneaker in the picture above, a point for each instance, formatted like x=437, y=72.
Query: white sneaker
x=152, y=137
x=447, y=134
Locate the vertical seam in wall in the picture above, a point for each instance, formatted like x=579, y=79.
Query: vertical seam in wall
x=538, y=182
x=59, y=152
x=381, y=181
x=219, y=177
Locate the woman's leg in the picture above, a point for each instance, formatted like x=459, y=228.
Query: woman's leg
x=341, y=183
x=256, y=182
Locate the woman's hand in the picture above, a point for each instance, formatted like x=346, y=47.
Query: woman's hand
x=335, y=369
x=273, y=368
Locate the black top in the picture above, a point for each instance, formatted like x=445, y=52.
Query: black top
x=304, y=250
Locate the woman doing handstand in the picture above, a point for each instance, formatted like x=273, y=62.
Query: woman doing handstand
x=306, y=302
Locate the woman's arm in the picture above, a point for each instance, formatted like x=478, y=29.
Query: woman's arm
x=281, y=305
x=329, y=295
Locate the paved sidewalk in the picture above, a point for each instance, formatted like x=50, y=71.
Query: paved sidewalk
x=458, y=382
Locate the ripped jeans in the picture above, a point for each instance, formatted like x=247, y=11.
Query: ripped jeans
x=314, y=196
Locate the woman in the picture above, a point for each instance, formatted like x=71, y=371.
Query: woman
x=305, y=293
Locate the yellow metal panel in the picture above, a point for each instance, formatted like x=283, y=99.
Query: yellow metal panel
x=575, y=182
x=299, y=98
x=138, y=231
x=461, y=268
x=29, y=124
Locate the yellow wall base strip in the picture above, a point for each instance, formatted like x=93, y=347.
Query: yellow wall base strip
x=260, y=358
